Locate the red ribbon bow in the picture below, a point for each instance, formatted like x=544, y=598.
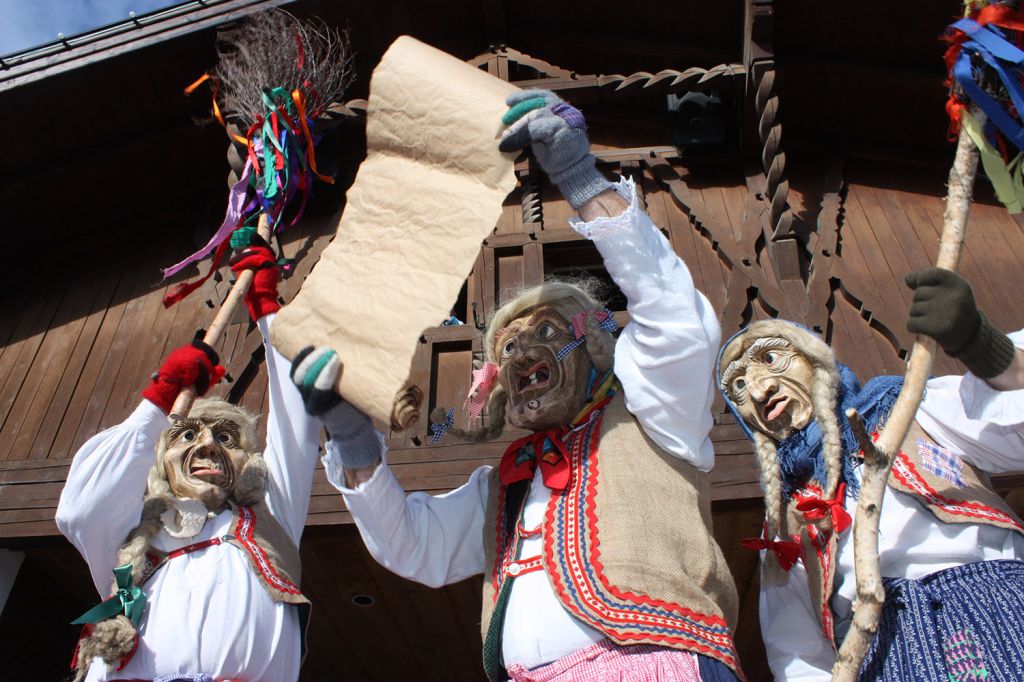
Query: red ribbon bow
x=815, y=509
x=517, y=465
x=788, y=552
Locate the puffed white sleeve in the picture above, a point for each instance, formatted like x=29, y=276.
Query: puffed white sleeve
x=433, y=540
x=665, y=355
x=293, y=442
x=102, y=498
x=796, y=647
x=981, y=424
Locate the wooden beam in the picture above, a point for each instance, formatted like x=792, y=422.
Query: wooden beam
x=39, y=64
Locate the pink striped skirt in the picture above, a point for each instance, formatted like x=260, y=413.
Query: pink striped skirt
x=609, y=662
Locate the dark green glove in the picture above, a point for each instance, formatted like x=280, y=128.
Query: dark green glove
x=944, y=309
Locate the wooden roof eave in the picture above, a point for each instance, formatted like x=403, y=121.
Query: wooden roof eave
x=111, y=41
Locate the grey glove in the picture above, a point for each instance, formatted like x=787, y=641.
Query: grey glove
x=556, y=131
x=943, y=308
x=314, y=372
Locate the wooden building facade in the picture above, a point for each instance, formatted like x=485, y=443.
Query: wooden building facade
x=110, y=173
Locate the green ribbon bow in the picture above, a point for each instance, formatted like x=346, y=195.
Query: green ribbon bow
x=128, y=600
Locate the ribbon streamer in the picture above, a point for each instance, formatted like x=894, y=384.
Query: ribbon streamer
x=128, y=600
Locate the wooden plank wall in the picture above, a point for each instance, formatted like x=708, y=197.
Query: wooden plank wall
x=78, y=349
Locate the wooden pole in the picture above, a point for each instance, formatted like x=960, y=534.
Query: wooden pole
x=183, y=403
x=878, y=456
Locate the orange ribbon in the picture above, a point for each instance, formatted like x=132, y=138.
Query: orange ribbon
x=300, y=105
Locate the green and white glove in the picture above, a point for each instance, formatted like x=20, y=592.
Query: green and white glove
x=351, y=432
x=557, y=133
x=943, y=308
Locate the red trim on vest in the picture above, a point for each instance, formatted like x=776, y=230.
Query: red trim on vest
x=577, y=563
x=904, y=470
x=244, y=534
x=515, y=569
x=820, y=542
x=501, y=549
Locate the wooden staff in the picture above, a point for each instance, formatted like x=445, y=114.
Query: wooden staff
x=183, y=403
x=878, y=456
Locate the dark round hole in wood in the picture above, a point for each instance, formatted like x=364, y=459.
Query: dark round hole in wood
x=362, y=600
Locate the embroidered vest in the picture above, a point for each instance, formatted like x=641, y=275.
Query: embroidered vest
x=273, y=556
x=628, y=546
x=953, y=490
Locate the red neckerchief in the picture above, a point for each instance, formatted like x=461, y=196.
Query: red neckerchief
x=787, y=552
x=815, y=509
x=547, y=447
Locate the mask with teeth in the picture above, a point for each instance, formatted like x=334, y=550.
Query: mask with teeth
x=206, y=456
x=543, y=391
x=203, y=459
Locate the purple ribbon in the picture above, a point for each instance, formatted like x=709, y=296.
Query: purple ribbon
x=232, y=219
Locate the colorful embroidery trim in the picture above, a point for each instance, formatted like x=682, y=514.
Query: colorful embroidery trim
x=571, y=550
x=905, y=472
x=244, y=534
x=941, y=462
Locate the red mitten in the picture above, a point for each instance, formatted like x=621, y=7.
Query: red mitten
x=261, y=298
x=193, y=365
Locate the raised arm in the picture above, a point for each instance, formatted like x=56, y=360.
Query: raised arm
x=102, y=498
x=293, y=436
x=665, y=355
x=432, y=540
x=293, y=443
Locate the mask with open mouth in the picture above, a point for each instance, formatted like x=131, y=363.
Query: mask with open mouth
x=203, y=459
x=770, y=384
x=543, y=391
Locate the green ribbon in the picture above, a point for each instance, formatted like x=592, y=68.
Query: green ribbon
x=128, y=600
x=1007, y=178
x=270, y=100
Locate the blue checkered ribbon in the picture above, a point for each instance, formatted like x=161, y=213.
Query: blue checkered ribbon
x=941, y=462
x=437, y=431
x=605, y=320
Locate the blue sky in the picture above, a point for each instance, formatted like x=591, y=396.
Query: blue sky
x=27, y=23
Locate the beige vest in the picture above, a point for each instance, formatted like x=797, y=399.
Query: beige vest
x=628, y=545
x=951, y=489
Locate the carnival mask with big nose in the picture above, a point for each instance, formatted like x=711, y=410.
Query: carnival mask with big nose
x=771, y=387
x=543, y=391
x=203, y=459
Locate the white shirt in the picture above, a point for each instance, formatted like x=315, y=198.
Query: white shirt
x=663, y=358
x=206, y=611
x=975, y=422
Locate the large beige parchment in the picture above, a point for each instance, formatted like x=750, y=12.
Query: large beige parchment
x=429, y=191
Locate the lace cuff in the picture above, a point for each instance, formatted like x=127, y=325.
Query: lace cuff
x=625, y=222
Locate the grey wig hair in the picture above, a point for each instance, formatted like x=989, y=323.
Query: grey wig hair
x=824, y=394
